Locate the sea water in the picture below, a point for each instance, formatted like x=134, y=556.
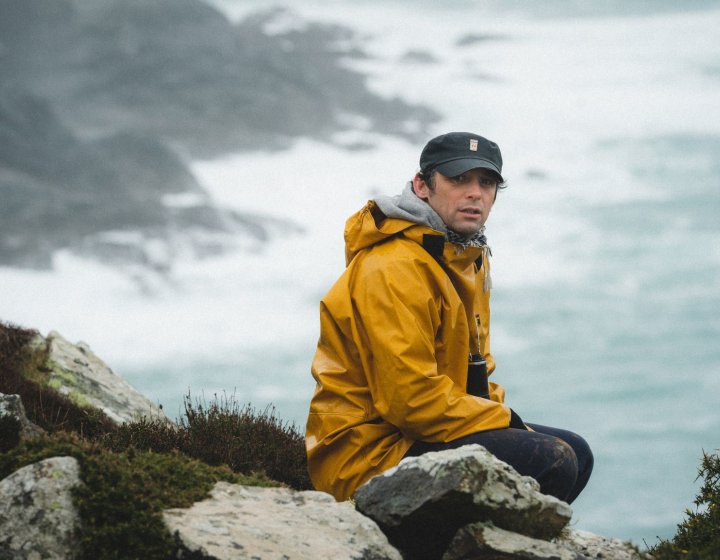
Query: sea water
x=606, y=243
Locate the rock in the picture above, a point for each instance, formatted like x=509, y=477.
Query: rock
x=596, y=547
x=37, y=517
x=132, y=200
x=11, y=405
x=77, y=372
x=243, y=522
x=425, y=500
x=178, y=69
x=481, y=541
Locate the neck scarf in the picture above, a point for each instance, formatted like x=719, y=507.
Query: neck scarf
x=477, y=239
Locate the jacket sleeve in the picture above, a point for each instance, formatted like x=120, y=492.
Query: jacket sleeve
x=497, y=392
x=397, y=308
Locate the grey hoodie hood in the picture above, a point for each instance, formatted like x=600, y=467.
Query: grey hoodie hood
x=408, y=206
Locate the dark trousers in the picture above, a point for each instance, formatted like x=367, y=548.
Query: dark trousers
x=561, y=461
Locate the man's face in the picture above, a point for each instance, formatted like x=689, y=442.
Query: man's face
x=463, y=202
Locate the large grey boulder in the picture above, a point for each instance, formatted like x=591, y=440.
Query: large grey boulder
x=78, y=373
x=37, y=517
x=422, y=503
x=243, y=523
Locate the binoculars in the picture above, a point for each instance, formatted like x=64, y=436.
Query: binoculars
x=477, y=378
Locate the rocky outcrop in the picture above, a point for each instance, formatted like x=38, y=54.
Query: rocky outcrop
x=239, y=522
x=37, y=515
x=462, y=504
x=423, y=502
x=465, y=504
x=484, y=541
x=124, y=199
x=75, y=371
x=38, y=519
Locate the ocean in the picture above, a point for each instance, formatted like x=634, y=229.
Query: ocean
x=606, y=243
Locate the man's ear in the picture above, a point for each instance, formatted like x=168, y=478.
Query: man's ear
x=420, y=187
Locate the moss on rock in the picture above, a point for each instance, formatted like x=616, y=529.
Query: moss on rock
x=124, y=493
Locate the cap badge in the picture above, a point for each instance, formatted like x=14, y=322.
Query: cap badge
x=473, y=145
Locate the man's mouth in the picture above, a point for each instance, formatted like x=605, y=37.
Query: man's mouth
x=474, y=211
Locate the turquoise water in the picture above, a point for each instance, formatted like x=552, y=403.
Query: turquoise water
x=630, y=356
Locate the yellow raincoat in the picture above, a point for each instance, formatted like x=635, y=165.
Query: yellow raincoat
x=391, y=363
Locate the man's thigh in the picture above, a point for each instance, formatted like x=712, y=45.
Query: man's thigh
x=522, y=449
x=544, y=457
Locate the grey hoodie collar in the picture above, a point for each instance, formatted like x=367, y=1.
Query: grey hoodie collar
x=408, y=206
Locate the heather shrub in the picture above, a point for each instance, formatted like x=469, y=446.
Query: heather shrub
x=247, y=440
x=225, y=433
x=698, y=536
x=14, y=343
x=147, y=434
x=9, y=432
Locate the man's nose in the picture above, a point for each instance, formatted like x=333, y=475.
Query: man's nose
x=475, y=188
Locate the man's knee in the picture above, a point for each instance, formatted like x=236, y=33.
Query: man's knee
x=567, y=461
x=562, y=471
x=584, y=455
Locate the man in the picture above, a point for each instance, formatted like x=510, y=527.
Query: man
x=404, y=351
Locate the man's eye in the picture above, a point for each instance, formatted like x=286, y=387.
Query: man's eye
x=460, y=178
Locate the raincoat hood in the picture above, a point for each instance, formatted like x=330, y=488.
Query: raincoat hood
x=406, y=209
x=403, y=213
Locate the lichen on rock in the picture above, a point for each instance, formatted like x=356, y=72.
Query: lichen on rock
x=75, y=371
